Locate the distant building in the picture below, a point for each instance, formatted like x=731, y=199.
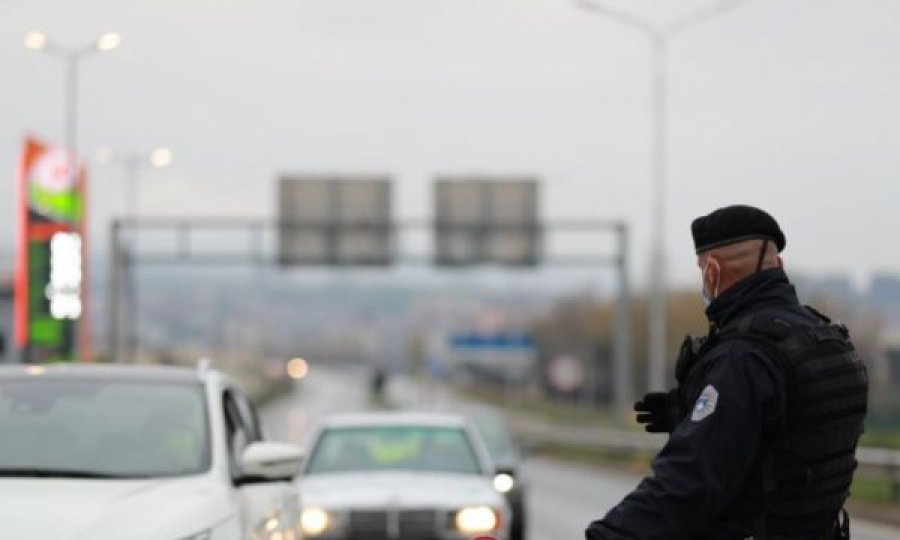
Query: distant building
x=838, y=288
x=884, y=368
x=884, y=294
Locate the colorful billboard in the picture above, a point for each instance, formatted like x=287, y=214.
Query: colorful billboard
x=50, y=269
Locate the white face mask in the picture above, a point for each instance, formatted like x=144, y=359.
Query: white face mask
x=707, y=300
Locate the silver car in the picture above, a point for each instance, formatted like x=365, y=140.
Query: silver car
x=400, y=476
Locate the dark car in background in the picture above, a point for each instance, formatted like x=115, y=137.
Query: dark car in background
x=508, y=457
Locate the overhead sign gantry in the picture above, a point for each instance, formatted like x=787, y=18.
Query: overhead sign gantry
x=347, y=220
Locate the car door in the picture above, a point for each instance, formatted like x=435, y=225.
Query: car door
x=260, y=502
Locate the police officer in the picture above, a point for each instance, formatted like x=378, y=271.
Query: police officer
x=767, y=412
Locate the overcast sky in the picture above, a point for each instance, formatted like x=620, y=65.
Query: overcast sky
x=793, y=105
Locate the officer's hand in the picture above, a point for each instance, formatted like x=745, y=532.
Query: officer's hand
x=660, y=411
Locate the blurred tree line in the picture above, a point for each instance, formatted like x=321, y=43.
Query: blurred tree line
x=583, y=326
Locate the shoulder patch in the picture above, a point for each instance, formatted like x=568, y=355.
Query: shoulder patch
x=706, y=403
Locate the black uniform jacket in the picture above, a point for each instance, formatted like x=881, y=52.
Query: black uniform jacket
x=712, y=459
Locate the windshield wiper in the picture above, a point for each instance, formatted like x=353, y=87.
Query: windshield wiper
x=57, y=473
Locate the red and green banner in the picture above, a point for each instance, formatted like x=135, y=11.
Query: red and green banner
x=50, y=270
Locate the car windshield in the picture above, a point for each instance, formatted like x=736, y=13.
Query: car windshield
x=403, y=448
x=101, y=428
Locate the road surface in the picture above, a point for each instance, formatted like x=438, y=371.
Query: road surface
x=564, y=497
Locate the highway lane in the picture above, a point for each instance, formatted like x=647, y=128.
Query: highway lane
x=323, y=392
x=564, y=497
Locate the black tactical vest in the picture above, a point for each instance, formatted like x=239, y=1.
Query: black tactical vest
x=808, y=464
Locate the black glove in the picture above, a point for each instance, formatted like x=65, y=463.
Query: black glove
x=661, y=411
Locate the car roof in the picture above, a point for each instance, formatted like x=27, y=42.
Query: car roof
x=128, y=372
x=400, y=418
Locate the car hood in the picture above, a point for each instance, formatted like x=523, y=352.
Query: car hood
x=79, y=509
x=398, y=489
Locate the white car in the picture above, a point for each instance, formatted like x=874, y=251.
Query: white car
x=400, y=476
x=92, y=452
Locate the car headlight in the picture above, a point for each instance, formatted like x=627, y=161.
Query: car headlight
x=476, y=519
x=504, y=483
x=314, y=521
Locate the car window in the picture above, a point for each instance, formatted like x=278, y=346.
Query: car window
x=405, y=448
x=237, y=434
x=103, y=427
x=249, y=417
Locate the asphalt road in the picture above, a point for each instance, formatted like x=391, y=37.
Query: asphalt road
x=564, y=498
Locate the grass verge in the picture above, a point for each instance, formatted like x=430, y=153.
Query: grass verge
x=873, y=496
x=635, y=463
x=881, y=438
x=541, y=408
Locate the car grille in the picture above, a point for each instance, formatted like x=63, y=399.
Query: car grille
x=366, y=524
x=417, y=524
x=394, y=525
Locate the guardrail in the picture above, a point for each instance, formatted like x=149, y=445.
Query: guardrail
x=881, y=462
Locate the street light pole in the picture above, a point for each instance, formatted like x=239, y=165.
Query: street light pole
x=121, y=271
x=38, y=41
x=71, y=106
x=659, y=39
x=71, y=57
x=657, y=308
x=160, y=157
x=132, y=171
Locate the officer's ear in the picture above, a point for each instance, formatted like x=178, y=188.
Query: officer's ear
x=713, y=274
x=780, y=262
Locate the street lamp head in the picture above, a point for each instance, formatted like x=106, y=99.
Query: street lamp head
x=161, y=157
x=36, y=41
x=108, y=41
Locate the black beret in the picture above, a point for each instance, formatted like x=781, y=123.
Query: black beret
x=735, y=224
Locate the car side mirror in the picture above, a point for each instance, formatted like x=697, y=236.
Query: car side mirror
x=266, y=461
